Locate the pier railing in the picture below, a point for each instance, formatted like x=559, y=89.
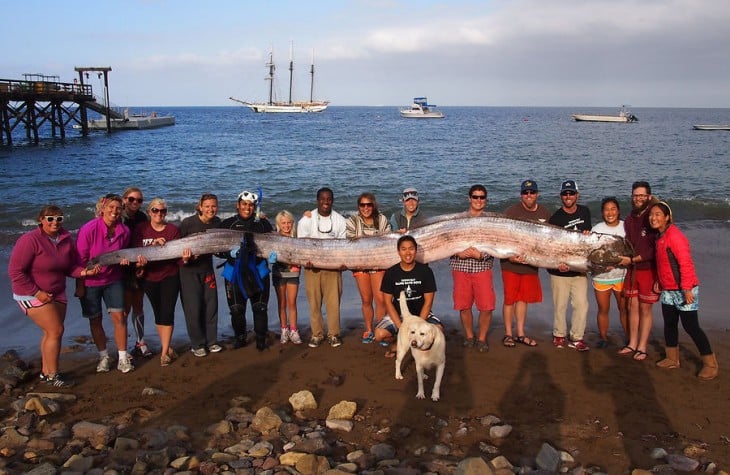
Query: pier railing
x=18, y=90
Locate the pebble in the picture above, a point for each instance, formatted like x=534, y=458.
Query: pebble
x=277, y=441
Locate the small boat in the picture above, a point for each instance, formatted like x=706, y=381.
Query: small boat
x=130, y=121
x=624, y=115
x=711, y=127
x=290, y=107
x=421, y=109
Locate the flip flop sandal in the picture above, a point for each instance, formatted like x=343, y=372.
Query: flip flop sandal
x=525, y=340
x=508, y=341
x=626, y=351
x=640, y=355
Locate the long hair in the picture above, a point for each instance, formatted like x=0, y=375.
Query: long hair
x=281, y=216
x=371, y=197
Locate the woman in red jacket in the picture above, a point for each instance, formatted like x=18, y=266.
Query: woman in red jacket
x=679, y=292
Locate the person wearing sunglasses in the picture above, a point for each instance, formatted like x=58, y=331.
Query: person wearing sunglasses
x=106, y=233
x=410, y=216
x=246, y=219
x=322, y=285
x=566, y=285
x=39, y=264
x=471, y=271
x=133, y=292
x=368, y=222
x=521, y=281
x=160, y=279
x=198, y=289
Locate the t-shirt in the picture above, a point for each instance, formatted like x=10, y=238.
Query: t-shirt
x=192, y=225
x=616, y=274
x=540, y=215
x=580, y=220
x=156, y=271
x=415, y=283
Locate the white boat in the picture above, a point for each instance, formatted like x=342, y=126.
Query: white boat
x=290, y=107
x=711, y=127
x=131, y=122
x=421, y=109
x=624, y=115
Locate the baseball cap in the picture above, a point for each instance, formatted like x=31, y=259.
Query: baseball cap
x=569, y=185
x=410, y=194
x=529, y=185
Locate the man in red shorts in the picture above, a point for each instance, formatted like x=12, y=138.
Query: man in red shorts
x=471, y=270
x=521, y=281
x=641, y=275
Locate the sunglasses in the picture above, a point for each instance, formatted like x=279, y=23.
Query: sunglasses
x=529, y=192
x=132, y=199
x=159, y=210
x=478, y=197
x=50, y=219
x=365, y=205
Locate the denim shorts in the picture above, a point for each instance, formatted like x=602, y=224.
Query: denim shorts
x=112, y=294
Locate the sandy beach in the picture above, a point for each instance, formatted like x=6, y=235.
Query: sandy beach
x=604, y=409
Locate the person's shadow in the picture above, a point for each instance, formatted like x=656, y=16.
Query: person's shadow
x=532, y=396
x=638, y=411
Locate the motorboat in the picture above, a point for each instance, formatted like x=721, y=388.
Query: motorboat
x=711, y=127
x=421, y=109
x=289, y=107
x=133, y=122
x=624, y=115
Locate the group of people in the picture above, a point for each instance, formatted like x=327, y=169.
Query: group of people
x=660, y=269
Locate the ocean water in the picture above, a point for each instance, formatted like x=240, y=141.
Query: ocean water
x=225, y=150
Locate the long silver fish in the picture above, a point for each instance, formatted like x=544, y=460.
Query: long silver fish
x=541, y=245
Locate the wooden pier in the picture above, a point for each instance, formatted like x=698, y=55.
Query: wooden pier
x=39, y=103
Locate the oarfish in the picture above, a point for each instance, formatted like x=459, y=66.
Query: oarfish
x=541, y=245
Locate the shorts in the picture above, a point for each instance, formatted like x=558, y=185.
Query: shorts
x=640, y=283
x=474, y=288
x=112, y=294
x=360, y=273
x=386, y=323
x=26, y=304
x=605, y=287
x=675, y=298
x=278, y=280
x=521, y=287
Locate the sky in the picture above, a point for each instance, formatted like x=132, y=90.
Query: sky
x=644, y=53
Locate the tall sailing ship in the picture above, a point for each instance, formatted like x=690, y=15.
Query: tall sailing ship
x=290, y=107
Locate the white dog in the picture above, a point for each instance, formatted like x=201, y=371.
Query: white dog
x=428, y=347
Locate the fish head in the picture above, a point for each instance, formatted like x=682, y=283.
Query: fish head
x=609, y=253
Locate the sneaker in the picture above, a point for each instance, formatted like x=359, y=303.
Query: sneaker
x=215, y=348
x=579, y=345
x=468, y=342
x=57, y=381
x=483, y=346
x=559, y=341
x=284, y=335
x=141, y=349
x=104, y=365
x=368, y=337
x=334, y=341
x=124, y=365
x=294, y=337
x=315, y=341
x=199, y=352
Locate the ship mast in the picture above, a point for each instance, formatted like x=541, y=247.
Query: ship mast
x=271, y=66
x=311, y=83
x=291, y=68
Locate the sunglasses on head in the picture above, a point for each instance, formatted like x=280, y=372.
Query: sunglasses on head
x=159, y=210
x=132, y=199
x=50, y=219
x=529, y=192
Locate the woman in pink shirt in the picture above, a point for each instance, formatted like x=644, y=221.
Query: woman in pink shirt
x=39, y=264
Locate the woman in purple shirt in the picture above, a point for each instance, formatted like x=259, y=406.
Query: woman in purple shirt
x=39, y=264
